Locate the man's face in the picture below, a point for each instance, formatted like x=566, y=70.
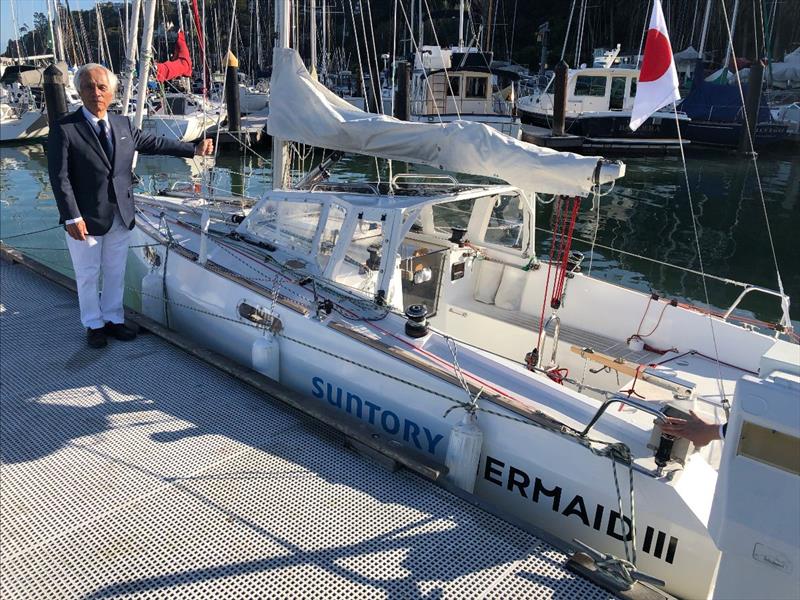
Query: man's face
x=96, y=92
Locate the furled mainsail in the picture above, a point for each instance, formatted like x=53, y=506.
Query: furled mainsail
x=305, y=111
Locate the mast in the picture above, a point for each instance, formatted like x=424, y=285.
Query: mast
x=259, y=50
x=280, y=148
x=313, y=34
x=145, y=56
x=421, y=24
x=100, y=49
x=729, y=49
x=461, y=24
x=59, y=30
x=52, y=35
x=16, y=32
x=324, y=39
x=489, y=26
x=130, y=57
x=411, y=25
x=704, y=34
x=180, y=14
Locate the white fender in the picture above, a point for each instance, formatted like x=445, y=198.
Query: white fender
x=464, y=453
x=153, y=297
x=205, y=219
x=266, y=356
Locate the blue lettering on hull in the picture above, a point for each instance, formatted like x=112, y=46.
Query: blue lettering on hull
x=390, y=422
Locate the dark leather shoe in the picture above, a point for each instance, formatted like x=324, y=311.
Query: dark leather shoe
x=96, y=338
x=120, y=332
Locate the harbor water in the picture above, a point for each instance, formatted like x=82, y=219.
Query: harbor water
x=642, y=230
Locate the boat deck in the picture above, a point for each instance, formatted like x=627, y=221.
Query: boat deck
x=139, y=470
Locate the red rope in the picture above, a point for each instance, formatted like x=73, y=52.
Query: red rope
x=549, y=266
x=558, y=374
x=566, y=244
x=633, y=391
x=565, y=216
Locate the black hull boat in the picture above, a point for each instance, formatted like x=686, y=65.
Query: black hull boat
x=717, y=117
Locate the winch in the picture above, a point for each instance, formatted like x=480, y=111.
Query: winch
x=417, y=323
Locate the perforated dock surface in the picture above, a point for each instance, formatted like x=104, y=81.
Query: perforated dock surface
x=140, y=471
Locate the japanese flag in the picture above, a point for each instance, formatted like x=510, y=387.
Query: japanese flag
x=658, y=79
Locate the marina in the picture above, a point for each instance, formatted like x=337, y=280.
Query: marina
x=559, y=303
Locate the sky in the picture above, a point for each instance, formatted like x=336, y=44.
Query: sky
x=24, y=10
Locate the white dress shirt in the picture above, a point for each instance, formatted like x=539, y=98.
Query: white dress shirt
x=94, y=122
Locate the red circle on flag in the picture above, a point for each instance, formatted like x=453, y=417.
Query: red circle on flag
x=657, y=56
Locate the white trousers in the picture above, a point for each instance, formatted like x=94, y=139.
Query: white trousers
x=101, y=255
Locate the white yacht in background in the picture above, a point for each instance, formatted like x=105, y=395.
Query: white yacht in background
x=419, y=308
x=254, y=98
x=180, y=116
x=18, y=123
x=599, y=103
x=23, y=115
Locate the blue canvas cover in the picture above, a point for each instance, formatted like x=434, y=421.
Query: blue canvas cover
x=719, y=103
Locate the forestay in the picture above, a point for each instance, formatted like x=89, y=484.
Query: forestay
x=305, y=111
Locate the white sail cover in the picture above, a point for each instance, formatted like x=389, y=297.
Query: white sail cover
x=303, y=110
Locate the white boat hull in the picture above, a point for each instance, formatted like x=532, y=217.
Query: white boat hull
x=30, y=125
x=178, y=127
x=539, y=476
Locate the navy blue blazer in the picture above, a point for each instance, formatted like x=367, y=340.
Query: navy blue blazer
x=85, y=183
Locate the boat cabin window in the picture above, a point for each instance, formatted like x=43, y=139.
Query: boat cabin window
x=634, y=80
x=590, y=85
x=455, y=87
x=476, y=87
x=289, y=225
x=617, y=100
x=506, y=223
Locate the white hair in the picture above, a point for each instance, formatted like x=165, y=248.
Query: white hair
x=112, y=79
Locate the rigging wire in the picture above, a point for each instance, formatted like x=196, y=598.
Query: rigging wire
x=784, y=300
x=720, y=386
x=446, y=74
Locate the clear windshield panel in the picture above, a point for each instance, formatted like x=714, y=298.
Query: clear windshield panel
x=289, y=225
x=359, y=269
x=450, y=215
x=506, y=222
x=330, y=234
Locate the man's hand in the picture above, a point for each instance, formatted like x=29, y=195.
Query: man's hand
x=693, y=429
x=77, y=230
x=204, y=147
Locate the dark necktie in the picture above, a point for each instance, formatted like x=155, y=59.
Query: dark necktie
x=105, y=140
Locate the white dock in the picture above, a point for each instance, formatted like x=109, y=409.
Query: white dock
x=140, y=470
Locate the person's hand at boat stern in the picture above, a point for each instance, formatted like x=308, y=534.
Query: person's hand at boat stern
x=693, y=428
x=204, y=147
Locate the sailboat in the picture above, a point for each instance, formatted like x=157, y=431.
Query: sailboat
x=178, y=115
x=418, y=307
x=23, y=115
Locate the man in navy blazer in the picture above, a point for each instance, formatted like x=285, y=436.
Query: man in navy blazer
x=90, y=158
